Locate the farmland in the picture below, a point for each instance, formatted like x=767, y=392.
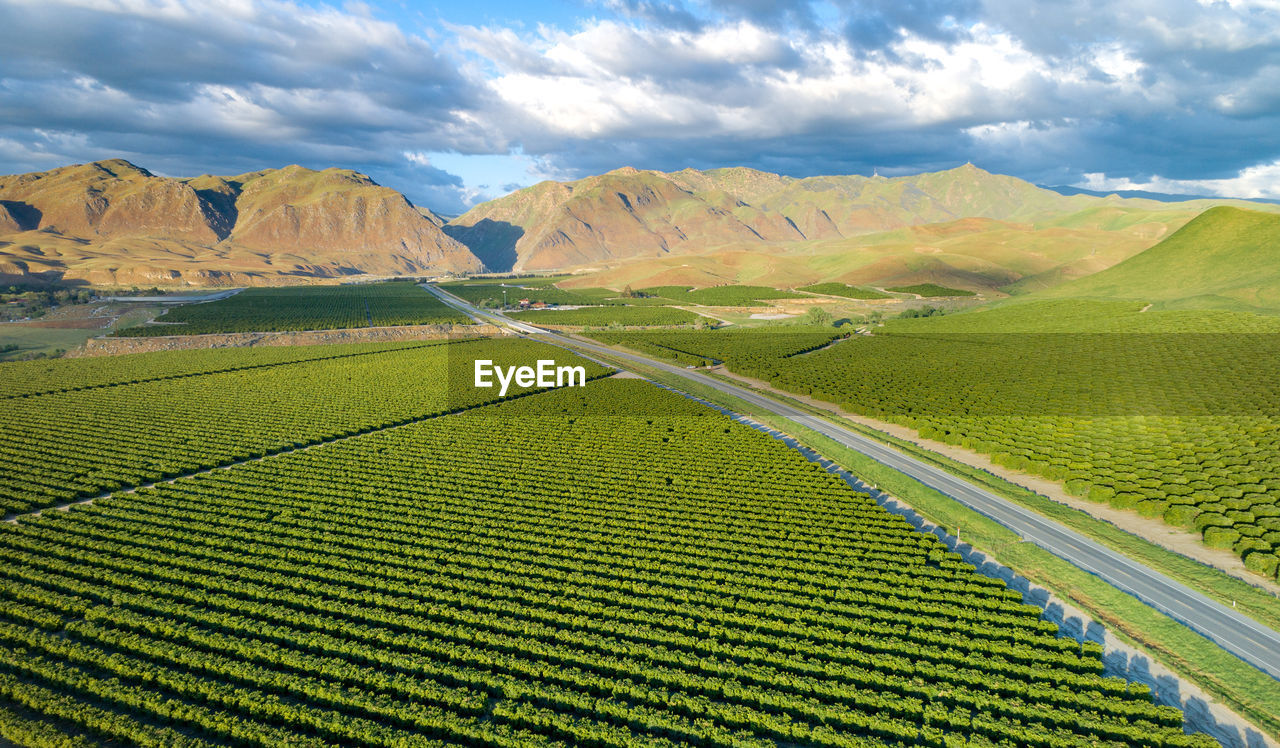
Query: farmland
x=305, y=308
x=492, y=294
x=65, y=445
x=1160, y=419
x=601, y=316
x=39, y=377
x=691, y=347
x=847, y=291
x=721, y=295
x=929, y=290
x=451, y=581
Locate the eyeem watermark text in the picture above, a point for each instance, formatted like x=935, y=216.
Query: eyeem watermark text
x=545, y=374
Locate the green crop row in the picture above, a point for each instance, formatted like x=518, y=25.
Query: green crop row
x=305, y=308
x=721, y=295
x=62, y=446
x=845, y=290
x=24, y=378
x=931, y=290
x=1179, y=426
x=513, y=292
x=602, y=316
x=611, y=566
x=698, y=348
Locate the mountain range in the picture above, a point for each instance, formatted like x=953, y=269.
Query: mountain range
x=114, y=223
x=963, y=227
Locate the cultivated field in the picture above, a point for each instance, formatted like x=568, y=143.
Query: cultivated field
x=614, y=565
x=1163, y=412
x=845, y=290
x=162, y=415
x=721, y=295
x=601, y=316
x=491, y=294
x=305, y=308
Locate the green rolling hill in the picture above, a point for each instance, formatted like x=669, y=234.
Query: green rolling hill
x=1226, y=258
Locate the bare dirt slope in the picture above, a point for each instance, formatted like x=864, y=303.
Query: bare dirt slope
x=963, y=227
x=113, y=223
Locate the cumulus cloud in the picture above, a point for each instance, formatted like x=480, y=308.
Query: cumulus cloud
x=219, y=85
x=1261, y=181
x=743, y=80
x=1050, y=91
x=1047, y=91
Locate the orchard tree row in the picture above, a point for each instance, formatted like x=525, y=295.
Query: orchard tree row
x=1183, y=426
x=613, y=566
x=62, y=446
x=306, y=308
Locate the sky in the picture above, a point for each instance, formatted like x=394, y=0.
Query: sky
x=455, y=103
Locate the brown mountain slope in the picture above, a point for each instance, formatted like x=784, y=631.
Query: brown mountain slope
x=979, y=254
x=634, y=214
x=622, y=214
x=111, y=199
x=962, y=227
x=111, y=222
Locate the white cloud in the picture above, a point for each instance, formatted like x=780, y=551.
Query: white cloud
x=1260, y=181
x=610, y=80
x=1099, y=86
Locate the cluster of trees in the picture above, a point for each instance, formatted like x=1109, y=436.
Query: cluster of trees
x=917, y=313
x=18, y=301
x=610, y=566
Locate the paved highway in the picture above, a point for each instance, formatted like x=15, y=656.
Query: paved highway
x=1234, y=632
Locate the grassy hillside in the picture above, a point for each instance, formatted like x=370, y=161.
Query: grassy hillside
x=990, y=256
x=1226, y=258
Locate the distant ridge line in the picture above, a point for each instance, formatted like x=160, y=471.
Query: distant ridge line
x=1164, y=197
